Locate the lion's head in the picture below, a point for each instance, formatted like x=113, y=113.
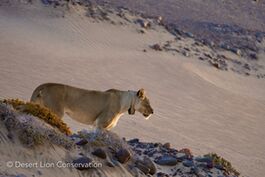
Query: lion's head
x=142, y=105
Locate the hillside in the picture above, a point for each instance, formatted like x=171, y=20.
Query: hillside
x=198, y=103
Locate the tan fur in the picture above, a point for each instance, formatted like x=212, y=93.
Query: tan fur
x=102, y=109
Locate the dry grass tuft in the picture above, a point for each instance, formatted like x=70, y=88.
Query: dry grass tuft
x=41, y=112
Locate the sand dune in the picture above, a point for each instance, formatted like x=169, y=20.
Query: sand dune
x=195, y=106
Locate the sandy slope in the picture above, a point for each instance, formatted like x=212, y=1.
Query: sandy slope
x=195, y=106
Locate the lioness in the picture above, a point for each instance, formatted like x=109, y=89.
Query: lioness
x=102, y=109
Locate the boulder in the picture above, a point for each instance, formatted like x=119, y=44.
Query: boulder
x=167, y=160
x=123, y=155
x=82, y=142
x=100, y=153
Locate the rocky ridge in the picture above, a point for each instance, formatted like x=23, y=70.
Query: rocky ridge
x=225, y=47
x=105, y=150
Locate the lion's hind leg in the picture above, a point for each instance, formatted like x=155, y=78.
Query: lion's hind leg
x=104, y=120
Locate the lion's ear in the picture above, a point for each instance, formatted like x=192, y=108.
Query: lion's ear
x=141, y=93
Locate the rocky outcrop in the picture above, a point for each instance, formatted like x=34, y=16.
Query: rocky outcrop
x=90, y=150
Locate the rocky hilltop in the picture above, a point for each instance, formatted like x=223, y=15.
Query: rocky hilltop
x=89, y=153
x=206, y=82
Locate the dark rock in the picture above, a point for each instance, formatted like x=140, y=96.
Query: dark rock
x=82, y=142
x=133, y=141
x=123, y=155
x=100, y=153
x=185, y=53
x=142, y=31
x=181, y=156
x=157, y=144
x=140, y=165
x=157, y=47
x=144, y=24
x=194, y=170
x=246, y=66
x=188, y=163
x=10, y=136
x=236, y=51
x=82, y=163
x=167, y=160
x=160, y=174
x=208, y=55
x=202, y=165
x=20, y=175
x=210, y=165
x=150, y=164
x=216, y=65
x=201, y=58
x=74, y=136
x=204, y=159
x=218, y=166
x=150, y=152
x=39, y=172
x=189, y=34
x=253, y=56
x=46, y=2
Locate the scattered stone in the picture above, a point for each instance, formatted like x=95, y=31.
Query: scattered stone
x=10, y=136
x=181, y=156
x=39, y=172
x=82, y=142
x=144, y=23
x=253, y=56
x=142, y=31
x=188, y=163
x=160, y=174
x=185, y=53
x=82, y=163
x=100, y=153
x=204, y=159
x=133, y=141
x=20, y=175
x=236, y=51
x=189, y=34
x=140, y=165
x=201, y=58
x=208, y=55
x=45, y=2
x=246, y=66
x=123, y=155
x=157, y=47
x=167, y=160
x=150, y=164
x=166, y=145
x=194, y=170
x=218, y=166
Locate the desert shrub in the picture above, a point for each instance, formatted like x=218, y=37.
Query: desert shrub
x=31, y=137
x=226, y=165
x=41, y=112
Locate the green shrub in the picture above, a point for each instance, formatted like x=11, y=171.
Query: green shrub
x=217, y=160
